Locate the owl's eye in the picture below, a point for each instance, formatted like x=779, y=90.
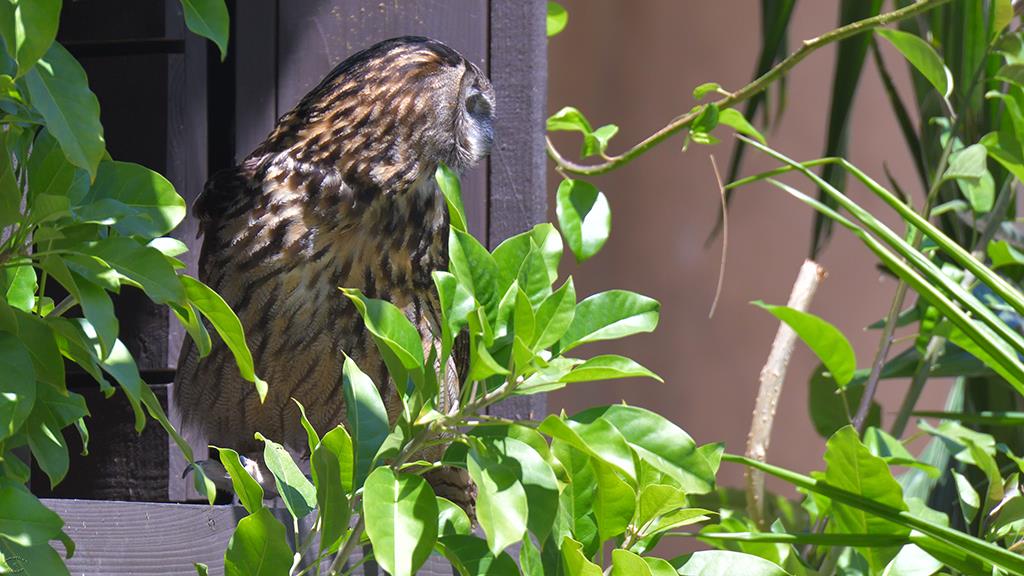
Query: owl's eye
x=477, y=105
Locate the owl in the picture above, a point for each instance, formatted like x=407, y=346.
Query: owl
x=340, y=194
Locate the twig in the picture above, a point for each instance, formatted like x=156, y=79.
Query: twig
x=772, y=377
x=745, y=93
x=725, y=237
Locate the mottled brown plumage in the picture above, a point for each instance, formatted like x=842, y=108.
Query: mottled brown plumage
x=341, y=193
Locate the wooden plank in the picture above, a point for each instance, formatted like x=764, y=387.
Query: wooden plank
x=161, y=539
x=255, y=45
x=314, y=39
x=188, y=152
x=518, y=199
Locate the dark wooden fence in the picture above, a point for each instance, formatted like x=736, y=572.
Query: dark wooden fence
x=169, y=103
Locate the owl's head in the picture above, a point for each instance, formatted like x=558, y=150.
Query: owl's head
x=388, y=114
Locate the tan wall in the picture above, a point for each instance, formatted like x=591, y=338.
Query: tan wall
x=635, y=63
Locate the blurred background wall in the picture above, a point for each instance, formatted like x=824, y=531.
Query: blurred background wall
x=635, y=64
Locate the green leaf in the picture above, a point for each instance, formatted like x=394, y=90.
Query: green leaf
x=512, y=253
x=598, y=439
x=554, y=316
x=824, y=339
x=141, y=265
x=20, y=287
x=28, y=28
x=10, y=192
x=295, y=489
x=471, y=556
x=1002, y=16
x=829, y=409
x=608, y=367
x=658, y=442
x=51, y=413
x=569, y=119
x=912, y=561
x=970, y=502
x=704, y=89
x=476, y=270
x=536, y=476
x=734, y=119
x=153, y=208
x=660, y=567
x=851, y=467
x=501, y=505
x=584, y=217
x=596, y=142
x=209, y=19
x=625, y=563
x=610, y=315
x=51, y=174
x=574, y=562
x=885, y=446
x=18, y=386
x=448, y=182
x=401, y=520
x=332, y=465
x=557, y=18
x=727, y=563
x=390, y=328
x=258, y=547
x=614, y=501
x=969, y=168
x=24, y=520
x=227, y=325
x=451, y=519
x=366, y=418
x=656, y=500
x=60, y=92
x=921, y=56
x=99, y=310
x=249, y=491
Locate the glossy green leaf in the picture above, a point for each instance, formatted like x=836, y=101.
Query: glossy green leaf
x=658, y=442
x=824, y=339
x=470, y=554
x=626, y=563
x=970, y=502
x=99, y=310
x=510, y=254
x=209, y=19
x=227, y=325
x=332, y=465
x=610, y=315
x=608, y=367
x=597, y=438
x=704, y=89
x=554, y=316
x=141, y=265
x=20, y=285
x=852, y=467
x=451, y=519
x=390, y=327
x=24, y=519
x=448, y=182
x=295, y=489
x=28, y=28
x=153, y=208
x=584, y=217
x=614, y=501
x=569, y=119
x=536, y=476
x=922, y=57
x=659, y=566
x=734, y=119
x=10, y=191
x=18, y=387
x=367, y=418
x=969, y=168
x=476, y=270
x=502, y=505
x=727, y=563
x=574, y=562
x=401, y=520
x=60, y=92
x=557, y=18
x=51, y=413
x=596, y=142
x=249, y=492
x=258, y=547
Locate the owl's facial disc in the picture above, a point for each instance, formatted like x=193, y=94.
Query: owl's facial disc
x=475, y=129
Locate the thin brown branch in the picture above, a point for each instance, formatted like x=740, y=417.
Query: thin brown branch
x=772, y=377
